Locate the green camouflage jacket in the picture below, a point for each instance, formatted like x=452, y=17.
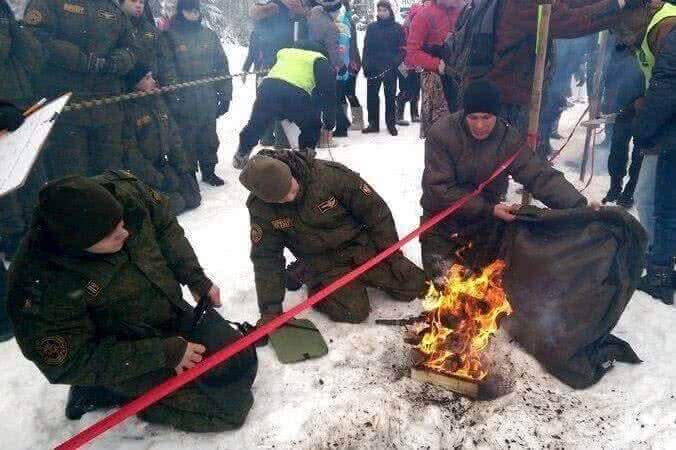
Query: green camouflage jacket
x=105, y=320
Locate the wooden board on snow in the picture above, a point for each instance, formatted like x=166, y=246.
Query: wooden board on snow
x=456, y=384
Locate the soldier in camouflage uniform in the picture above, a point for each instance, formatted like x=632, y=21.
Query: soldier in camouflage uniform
x=20, y=60
x=90, y=45
x=198, y=54
x=95, y=300
x=332, y=220
x=153, y=149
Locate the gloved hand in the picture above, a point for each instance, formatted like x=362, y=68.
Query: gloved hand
x=11, y=117
x=222, y=104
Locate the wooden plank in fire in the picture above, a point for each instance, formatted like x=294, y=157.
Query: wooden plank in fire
x=462, y=386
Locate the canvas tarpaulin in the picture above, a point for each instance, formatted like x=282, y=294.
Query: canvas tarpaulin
x=570, y=274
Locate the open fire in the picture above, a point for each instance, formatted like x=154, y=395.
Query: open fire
x=459, y=320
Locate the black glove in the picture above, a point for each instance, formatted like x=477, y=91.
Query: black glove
x=222, y=104
x=11, y=117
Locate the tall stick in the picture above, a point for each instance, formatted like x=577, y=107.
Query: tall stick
x=544, y=18
x=595, y=101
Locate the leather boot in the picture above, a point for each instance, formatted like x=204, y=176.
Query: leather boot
x=415, y=115
x=401, y=106
x=658, y=283
x=212, y=179
x=614, y=192
x=372, y=128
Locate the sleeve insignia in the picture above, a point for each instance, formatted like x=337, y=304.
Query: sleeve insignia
x=157, y=197
x=256, y=233
x=366, y=189
x=33, y=17
x=74, y=9
x=282, y=224
x=327, y=205
x=93, y=288
x=105, y=15
x=53, y=350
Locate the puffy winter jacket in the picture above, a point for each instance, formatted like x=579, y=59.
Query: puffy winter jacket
x=430, y=27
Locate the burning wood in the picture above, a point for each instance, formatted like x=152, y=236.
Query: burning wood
x=457, y=325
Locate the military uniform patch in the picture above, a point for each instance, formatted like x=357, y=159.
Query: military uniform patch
x=157, y=198
x=327, y=205
x=93, y=288
x=142, y=121
x=75, y=9
x=53, y=350
x=256, y=233
x=105, y=15
x=32, y=17
x=182, y=48
x=366, y=189
x=282, y=224
x=149, y=35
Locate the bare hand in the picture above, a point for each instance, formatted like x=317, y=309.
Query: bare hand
x=505, y=212
x=596, y=206
x=193, y=355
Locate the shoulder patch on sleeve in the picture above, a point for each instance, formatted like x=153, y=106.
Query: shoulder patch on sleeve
x=53, y=350
x=33, y=17
x=282, y=224
x=156, y=196
x=366, y=189
x=256, y=233
x=327, y=205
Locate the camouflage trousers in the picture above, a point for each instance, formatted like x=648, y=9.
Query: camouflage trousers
x=351, y=302
x=200, y=141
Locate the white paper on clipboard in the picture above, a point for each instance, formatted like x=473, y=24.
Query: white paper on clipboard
x=20, y=149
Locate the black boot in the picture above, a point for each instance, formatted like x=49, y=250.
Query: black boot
x=613, y=193
x=83, y=399
x=372, y=128
x=415, y=115
x=295, y=275
x=658, y=283
x=393, y=130
x=212, y=179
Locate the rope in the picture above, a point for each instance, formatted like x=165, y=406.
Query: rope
x=86, y=104
x=570, y=136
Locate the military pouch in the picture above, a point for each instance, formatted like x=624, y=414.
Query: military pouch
x=298, y=340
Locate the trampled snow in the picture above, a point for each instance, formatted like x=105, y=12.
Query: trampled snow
x=360, y=394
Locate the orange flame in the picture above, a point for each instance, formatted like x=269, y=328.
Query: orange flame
x=462, y=318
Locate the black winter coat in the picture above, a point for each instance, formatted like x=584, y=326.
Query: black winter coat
x=384, y=47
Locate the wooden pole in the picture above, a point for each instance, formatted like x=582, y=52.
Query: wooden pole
x=595, y=101
x=544, y=18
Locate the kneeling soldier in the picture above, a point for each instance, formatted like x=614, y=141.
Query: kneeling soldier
x=95, y=300
x=333, y=221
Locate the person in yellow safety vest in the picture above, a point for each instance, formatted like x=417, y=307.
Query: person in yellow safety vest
x=300, y=88
x=651, y=32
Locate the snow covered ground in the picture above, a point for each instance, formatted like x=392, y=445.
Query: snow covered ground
x=360, y=395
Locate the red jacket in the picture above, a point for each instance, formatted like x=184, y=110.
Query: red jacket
x=430, y=26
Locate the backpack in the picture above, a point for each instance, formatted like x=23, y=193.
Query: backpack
x=468, y=52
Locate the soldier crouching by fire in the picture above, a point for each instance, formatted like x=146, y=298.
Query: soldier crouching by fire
x=333, y=221
x=95, y=300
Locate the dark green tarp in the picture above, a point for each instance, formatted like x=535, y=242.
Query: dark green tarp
x=569, y=277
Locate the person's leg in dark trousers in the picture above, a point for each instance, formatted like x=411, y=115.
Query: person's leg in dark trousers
x=262, y=116
x=351, y=92
x=390, y=82
x=618, y=156
x=450, y=92
x=342, y=122
x=402, y=98
x=414, y=87
x=309, y=121
x=373, y=104
x=627, y=198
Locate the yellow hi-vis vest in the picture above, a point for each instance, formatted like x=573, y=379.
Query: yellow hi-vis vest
x=646, y=58
x=296, y=67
